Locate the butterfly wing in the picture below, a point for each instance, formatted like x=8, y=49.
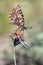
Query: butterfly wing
x=17, y=16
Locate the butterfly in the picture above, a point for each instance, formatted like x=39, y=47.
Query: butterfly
x=17, y=17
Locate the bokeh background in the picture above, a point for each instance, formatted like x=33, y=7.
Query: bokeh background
x=33, y=14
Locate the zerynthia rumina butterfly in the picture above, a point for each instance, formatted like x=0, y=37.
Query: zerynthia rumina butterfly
x=18, y=19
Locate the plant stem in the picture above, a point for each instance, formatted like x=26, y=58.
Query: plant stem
x=14, y=57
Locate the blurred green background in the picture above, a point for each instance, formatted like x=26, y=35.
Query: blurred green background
x=33, y=14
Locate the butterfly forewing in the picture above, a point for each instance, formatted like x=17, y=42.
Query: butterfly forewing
x=17, y=16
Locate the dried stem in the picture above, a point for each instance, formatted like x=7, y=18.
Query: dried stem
x=14, y=57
